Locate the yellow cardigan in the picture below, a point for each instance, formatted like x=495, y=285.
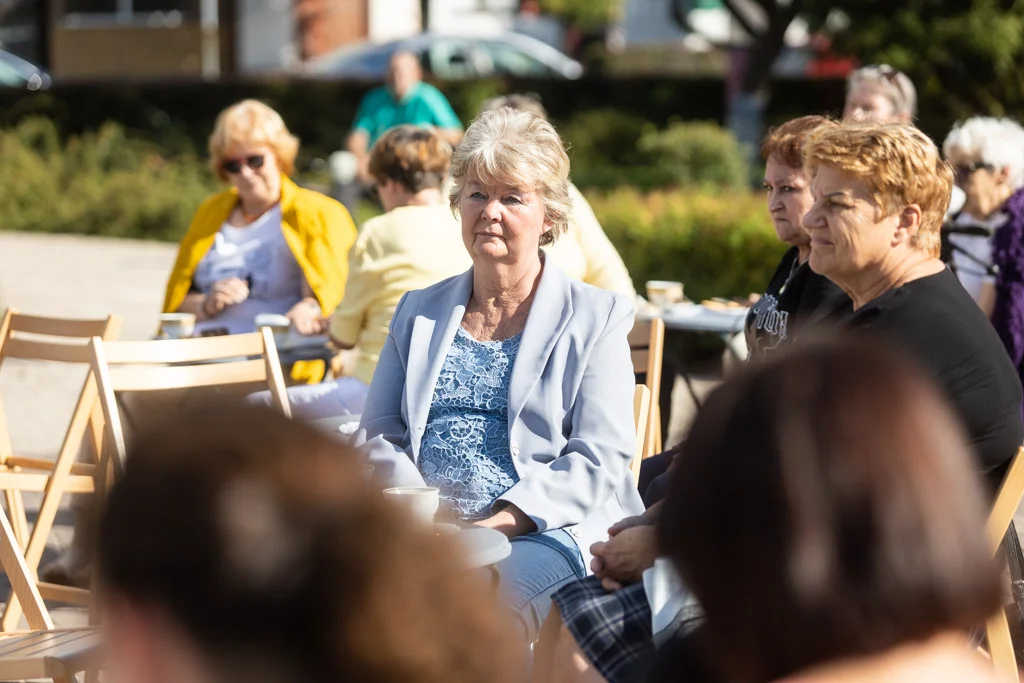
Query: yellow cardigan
x=318, y=230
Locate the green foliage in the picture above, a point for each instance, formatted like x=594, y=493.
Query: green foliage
x=717, y=244
x=964, y=56
x=699, y=153
x=99, y=183
x=583, y=13
x=602, y=144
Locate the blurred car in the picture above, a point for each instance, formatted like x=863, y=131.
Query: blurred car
x=451, y=57
x=16, y=72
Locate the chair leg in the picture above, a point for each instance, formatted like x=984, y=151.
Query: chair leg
x=19, y=520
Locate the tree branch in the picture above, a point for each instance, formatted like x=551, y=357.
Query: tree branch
x=768, y=47
x=742, y=19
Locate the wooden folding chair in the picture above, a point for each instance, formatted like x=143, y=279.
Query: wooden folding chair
x=35, y=338
x=45, y=652
x=147, y=366
x=647, y=348
x=997, y=629
x=642, y=418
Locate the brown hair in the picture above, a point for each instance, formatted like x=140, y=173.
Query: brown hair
x=263, y=539
x=900, y=166
x=413, y=156
x=785, y=142
x=825, y=507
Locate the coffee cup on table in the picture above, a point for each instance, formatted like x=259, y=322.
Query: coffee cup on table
x=664, y=293
x=177, y=325
x=420, y=501
x=280, y=326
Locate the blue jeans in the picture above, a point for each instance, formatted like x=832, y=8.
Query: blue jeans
x=539, y=565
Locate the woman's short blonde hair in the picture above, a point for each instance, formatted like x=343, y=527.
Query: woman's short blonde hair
x=251, y=122
x=518, y=149
x=900, y=166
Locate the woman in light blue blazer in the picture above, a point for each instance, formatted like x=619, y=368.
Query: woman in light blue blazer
x=509, y=387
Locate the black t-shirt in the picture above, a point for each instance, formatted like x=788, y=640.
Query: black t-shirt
x=795, y=296
x=940, y=326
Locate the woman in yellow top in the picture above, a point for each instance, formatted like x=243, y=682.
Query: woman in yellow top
x=417, y=242
x=265, y=245
x=584, y=251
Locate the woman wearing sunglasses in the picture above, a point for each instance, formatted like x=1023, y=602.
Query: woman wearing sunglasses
x=265, y=245
x=987, y=235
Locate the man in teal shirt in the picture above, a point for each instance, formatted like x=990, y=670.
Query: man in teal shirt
x=405, y=99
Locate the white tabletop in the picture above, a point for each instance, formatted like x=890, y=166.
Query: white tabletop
x=698, y=318
x=483, y=547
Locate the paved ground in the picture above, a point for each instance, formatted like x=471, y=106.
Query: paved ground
x=72, y=277
x=90, y=277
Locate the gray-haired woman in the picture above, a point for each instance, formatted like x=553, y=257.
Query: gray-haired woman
x=509, y=387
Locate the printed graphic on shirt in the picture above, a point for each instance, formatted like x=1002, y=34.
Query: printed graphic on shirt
x=770, y=320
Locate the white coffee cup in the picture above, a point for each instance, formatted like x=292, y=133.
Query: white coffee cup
x=420, y=501
x=177, y=325
x=280, y=326
x=663, y=293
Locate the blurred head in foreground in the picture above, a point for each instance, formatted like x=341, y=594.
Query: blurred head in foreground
x=853, y=522
x=241, y=546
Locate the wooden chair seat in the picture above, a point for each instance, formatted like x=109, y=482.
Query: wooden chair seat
x=58, y=654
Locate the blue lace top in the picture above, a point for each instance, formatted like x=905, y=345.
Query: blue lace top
x=465, y=448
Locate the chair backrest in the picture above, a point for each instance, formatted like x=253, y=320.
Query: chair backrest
x=647, y=348
x=60, y=340
x=642, y=420
x=997, y=629
x=144, y=366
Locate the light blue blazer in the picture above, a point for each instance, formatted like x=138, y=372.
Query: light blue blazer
x=570, y=404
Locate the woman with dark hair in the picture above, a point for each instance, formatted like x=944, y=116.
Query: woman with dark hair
x=855, y=546
x=795, y=295
x=243, y=547
x=604, y=621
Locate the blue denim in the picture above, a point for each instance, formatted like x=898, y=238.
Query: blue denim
x=539, y=565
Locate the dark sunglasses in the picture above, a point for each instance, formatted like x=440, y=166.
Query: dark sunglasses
x=233, y=166
x=964, y=171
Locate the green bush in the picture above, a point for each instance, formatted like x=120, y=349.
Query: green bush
x=717, y=244
x=701, y=153
x=99, y=183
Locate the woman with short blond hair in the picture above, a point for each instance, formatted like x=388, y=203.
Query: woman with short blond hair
x=509, y=387
x=880, y=195
x=266, y=245
x=585, y=253
x=415, y=243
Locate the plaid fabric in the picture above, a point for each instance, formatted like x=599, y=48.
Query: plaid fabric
x=613, y=630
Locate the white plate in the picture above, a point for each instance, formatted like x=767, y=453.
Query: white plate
x=444, y=529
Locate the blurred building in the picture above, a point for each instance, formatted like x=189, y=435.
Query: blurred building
x=185, y=39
